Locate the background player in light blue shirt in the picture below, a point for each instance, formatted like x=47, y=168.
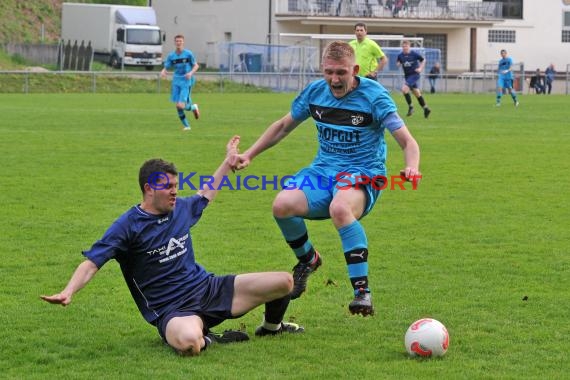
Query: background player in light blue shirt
x=153, y=246
x=184, y=65
x=505, y=78
x=351, y=114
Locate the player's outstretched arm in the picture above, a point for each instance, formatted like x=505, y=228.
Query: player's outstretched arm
x=276, y=132
x=210, y=190
x=82, y=275
x=411, y=151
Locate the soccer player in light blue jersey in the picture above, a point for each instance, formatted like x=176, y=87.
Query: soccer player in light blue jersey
x=505, y=78
x=351, y=114
x=153, y=245
x=184, y=64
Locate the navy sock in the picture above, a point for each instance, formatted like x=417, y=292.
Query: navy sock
x=275, y=310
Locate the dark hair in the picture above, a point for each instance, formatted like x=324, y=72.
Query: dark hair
x=155, y=165
x=360, y=24
x=178, y=36
x=503, y=50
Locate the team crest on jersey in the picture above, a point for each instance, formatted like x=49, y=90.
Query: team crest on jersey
x=357, y=119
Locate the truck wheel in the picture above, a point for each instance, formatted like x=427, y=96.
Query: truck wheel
x=115, y=62
x=149, y=68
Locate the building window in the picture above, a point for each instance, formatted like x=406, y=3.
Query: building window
x=436, y=41
x=502, y=36
x=566, y=20
x=566, y=36
x=512, y=9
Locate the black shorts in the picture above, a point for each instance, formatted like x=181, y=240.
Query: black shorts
x=214, y=305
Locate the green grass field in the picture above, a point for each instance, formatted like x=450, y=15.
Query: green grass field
x=488, y=226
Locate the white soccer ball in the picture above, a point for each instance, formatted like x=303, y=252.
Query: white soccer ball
x=426, y=338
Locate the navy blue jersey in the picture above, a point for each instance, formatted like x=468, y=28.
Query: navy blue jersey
x=155, y=255
x=181, y=63
x=350, y=129
x=410, y=62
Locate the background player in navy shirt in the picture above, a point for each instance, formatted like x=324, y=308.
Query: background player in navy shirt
x=351, y=114
x=153, y=246
x=413, y=63
x=184, y=64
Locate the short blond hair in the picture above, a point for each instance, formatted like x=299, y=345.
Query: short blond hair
x=338, y=50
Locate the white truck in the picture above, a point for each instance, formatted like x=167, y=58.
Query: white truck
x=119, y=34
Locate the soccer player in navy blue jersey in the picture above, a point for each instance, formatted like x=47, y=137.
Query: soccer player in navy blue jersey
x=351, y=114
x=153, y=246
x=184, y=64
x=505, y=79
x=413, y=63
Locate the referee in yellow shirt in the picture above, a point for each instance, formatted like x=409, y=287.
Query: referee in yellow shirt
x=369, y=56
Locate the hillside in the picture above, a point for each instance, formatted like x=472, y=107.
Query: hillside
x=24, y=20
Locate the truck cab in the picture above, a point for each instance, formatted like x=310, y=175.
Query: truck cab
x=138, y=45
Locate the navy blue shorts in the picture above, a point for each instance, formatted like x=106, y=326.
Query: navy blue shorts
x=412, y=81
x=213, y=305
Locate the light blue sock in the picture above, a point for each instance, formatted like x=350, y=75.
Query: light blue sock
x=355, y=247
x=294, y=231
x=182, y=117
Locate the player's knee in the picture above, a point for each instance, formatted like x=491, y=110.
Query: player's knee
x=340, y=212
x=187, y=343
x=283, y=207
x=286, y=280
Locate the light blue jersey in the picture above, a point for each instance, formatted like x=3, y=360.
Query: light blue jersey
x=181, y=63
x=505, y=64
x=350, y=129
x=505, y=79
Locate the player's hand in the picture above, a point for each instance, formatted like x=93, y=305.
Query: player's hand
x=242, y=162
x=411, y=174
x=57, y=299
x=163, y=74
x=232, y=151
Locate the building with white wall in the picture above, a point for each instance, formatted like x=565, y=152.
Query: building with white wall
x=470, y=33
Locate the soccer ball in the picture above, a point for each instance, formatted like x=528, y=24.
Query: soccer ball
x=426, y=338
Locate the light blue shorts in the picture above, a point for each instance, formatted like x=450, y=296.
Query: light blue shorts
x=181, y=89
x=321, y=185
x=505, y=82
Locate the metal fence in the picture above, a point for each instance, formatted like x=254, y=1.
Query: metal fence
x=25, y=82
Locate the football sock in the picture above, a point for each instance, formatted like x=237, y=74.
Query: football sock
x=514, y=96
x=189, y=106
x=421, y=101
x=408, y=99
x=274, y=312
x=182, y=117
x=499, y=95
x=355, y=247
x=295, y=233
